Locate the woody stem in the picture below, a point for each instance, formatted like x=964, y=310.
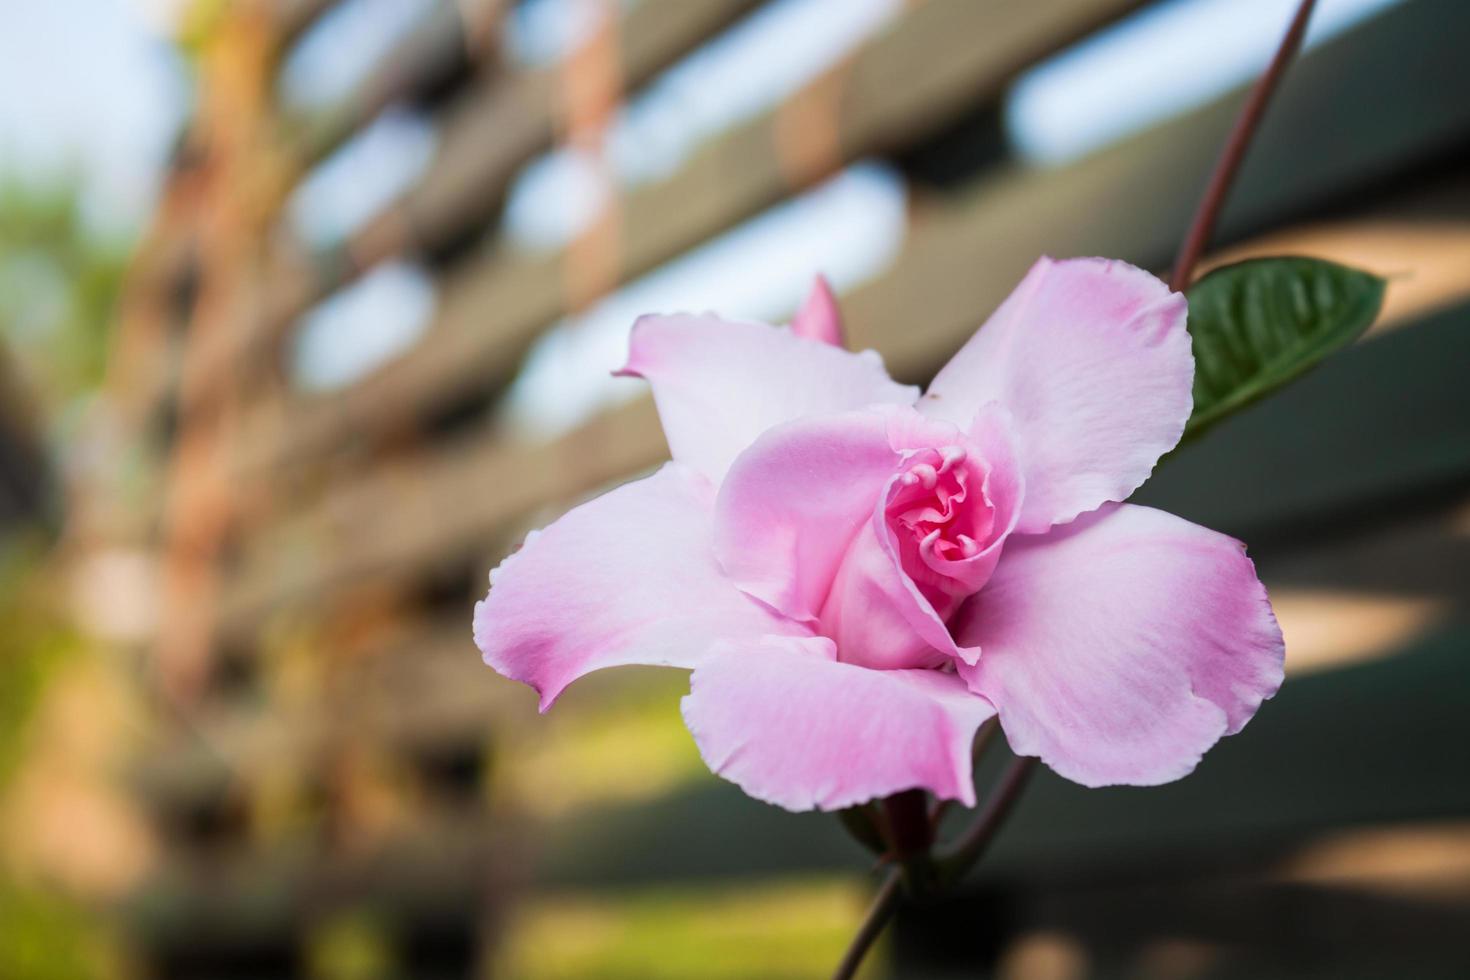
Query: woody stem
x=1233, y=154
x=885, y=902
x=961, y=856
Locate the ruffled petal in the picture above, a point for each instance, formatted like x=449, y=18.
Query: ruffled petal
x=885, y=615
x=1120, y=647
x=719, y=384
x=819, y=317
x=791, y=504
x=627, y=578
x=992, y=442
x=790, y=725
x=876, y=613
x=1093, y=361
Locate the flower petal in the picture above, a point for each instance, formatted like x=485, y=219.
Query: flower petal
x=1120, y=647
x=1093, y=360
x=789, y=725
x=791, y=504
x=719, y=384
x=877, y=612
x=627, y=578
x=819, y=317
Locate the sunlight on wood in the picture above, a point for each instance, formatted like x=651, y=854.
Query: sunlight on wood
x=1327, y=630
x=1044, y=956
x=1424, y=860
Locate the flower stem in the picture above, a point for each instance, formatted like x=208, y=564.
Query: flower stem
x=1238, y=142
x=983, y=738
x=882, y=909
x=952, y=863
x=958, y=858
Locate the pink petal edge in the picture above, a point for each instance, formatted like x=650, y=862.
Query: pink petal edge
x=627, y=578
x=790, y=725
x=719, y=384
x=1093, y=360
x=1120, y=647
x=792, y=503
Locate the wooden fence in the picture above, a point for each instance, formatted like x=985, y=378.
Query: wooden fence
x=326, y=737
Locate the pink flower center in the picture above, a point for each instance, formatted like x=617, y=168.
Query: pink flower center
x=941, y=517
x=939, y=520
x=930, y=504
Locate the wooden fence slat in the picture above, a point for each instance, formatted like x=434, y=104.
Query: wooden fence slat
x=447, y=871
x=443, y=510
x=968, y=52
x=961, y=260
x=294, y=18
x=1299, y=768
x=1316, y=148
x=494, y=128
x=423, y=498
x=957, y=264
x=502, y=124
x=450, y=35
x=425, y=685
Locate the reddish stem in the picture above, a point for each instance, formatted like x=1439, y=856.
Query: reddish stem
x=1236, y=145
x=983, y=738
x=885, y=903
x=964, y=853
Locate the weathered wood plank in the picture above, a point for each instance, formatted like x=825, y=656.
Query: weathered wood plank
x=1352, y=115
x=957, y=264
x=1362, y=594
x=493, y=128
x=444, y=512
x=217, y=914
x=449, y=38
x=294, y=18
x=1381, y=745
x=490, y=131
x=1129, y=201
x=879, y=100
x=442, y=506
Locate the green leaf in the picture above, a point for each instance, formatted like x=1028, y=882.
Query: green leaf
x=1258, y=324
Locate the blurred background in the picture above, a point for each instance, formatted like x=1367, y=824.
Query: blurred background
x=307, y=309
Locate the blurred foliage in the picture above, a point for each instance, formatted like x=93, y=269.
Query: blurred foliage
x=351, y=946
x=60, y=279
x=46, y=937
x=776, y=930
x=59, y=282
x=618, y=740
x=36, y=642
x=44, y=934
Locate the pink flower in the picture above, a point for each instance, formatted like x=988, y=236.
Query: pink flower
x=859, y=577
